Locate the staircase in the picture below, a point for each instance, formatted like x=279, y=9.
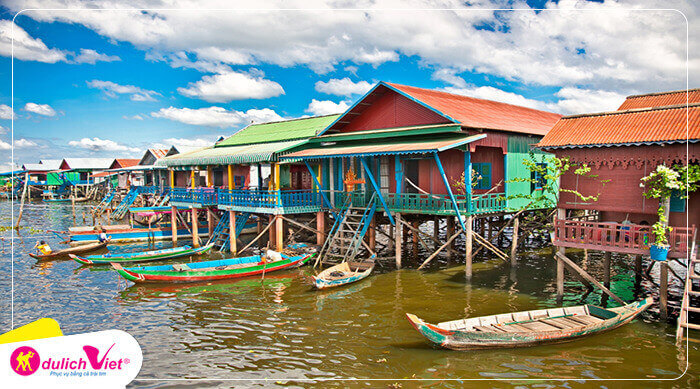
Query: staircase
x=689, y=306
x=102, y=206
x=126, y=202
x=222, y=232
x=347, y=233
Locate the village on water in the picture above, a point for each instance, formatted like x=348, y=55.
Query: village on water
x=359, y=194
x=406, y=168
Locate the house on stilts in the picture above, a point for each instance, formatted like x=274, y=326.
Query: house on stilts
x=621, y=147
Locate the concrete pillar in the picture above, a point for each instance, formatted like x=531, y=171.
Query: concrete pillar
x=321, y=227
x=232, y=231
x=514, y=243
x=279, y=234
x=173, y=224
x=195, y=228
x=398, y=240
x=469, y=247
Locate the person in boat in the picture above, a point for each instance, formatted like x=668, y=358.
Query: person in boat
x=102, y=237
x=43, y=248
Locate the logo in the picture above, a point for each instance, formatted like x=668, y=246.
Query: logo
x=92, y=354
x=25, y=361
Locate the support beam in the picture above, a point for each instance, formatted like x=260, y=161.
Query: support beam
x=373, y=233
x=376, y=189
x=195, y=228
x=449, y=189
x=192, y=180
x=210, y=222
x=637, y=270
x=606, y=268
x=588, y=277
x=229, y=175
x=663, y=290
x=560, y=273
x=468, y=247
x=398, y=241
x=514, y=243
x=321, y=227
x=279, y=234
x=232, y=231
x=435, y=254
x=271, y=238
x=173, y=224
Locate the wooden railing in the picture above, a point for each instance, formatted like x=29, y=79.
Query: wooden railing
x=618, y=237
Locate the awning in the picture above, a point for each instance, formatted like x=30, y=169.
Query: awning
x=398, y=147
x=230, y=155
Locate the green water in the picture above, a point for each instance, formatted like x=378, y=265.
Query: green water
x=281, y=330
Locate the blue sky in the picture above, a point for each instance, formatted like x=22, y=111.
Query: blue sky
x=112, y=83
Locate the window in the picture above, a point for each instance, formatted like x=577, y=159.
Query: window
x=483, y=175
x=677, y=203
x=238, y=182
x=538, y=178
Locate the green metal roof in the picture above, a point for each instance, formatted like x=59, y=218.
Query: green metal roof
x=430, y=129
x=279, y=131
x=251, y=153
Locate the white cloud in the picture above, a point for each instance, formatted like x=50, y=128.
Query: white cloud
x=602, y=46
x=217, y=116
x=97, y=144
x=184, y=144
x=224, y=87
x=26, y=48
x=326, y=107
x=24, y=143
x=40, y=109
x=181, y=59
x=112, y=89
x=4, y=130
x=5, y=145
x=449, y=76
x=6, y=112
x=92, y=57
x=134, y=117
x=343, y=87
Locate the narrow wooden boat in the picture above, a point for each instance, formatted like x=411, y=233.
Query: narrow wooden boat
x=68, y=200
x=126, y=233
x=212, y=270
x=141, y=256
x=85, y=248
x=343, y=274
x=527, y=328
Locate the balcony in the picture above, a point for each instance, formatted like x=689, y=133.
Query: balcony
x=433, y=204
x=618, y=237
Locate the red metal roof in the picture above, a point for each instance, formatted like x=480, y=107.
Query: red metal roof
x=691, y=96
x=125, y=162
x=480, y=113
x=651, y=125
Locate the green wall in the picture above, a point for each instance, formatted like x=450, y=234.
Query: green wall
x=518, y=151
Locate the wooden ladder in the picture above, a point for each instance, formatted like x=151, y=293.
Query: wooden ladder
x=687, y=304
x=344, y=244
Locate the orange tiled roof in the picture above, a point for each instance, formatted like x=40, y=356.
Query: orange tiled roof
x=691, y=96
x=480, y=113
x=649, y=125
x=127, y=162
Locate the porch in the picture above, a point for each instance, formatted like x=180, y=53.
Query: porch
x=622, y=238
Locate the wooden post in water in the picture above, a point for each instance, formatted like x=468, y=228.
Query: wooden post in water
x=279, y=234
x=469, y=247
x=232, y=231
x=561, y=214
x=450, y=230
x=398, y=240
x=195, y=228
x=414, y=237
x=210, y=222
x=271, y=232
x=663, y=290
x=436, y=229
x=637, y=270
x=321, y=227
x=392, y=243
x=72, y=204
x=606, y=269
x=173, y=224
x=373, y=233
x=514, y=243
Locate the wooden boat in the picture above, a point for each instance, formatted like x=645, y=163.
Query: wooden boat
x=212, y=270
x=527, y=328
x=68, y=200
x=85, y=248
x=343, y=274
x=142, y=256
x=126, y=233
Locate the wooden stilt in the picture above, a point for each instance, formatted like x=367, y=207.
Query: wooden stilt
x=271, y=237
x=232, y=232
x=392, y=242
x=210, y=222
x=436, y=229
x=398, y=240
x=173, y=224
x=372, y=233
x=514, y=243
x=663, y=290
x=435, y=254
x=469, y=247
x=585, y=275
x=414, y=238
x=321, y=227
x=450, y=229
x=279, y=234
x=561, y=251
x=195, y=228
x=637, y=270
x=606, y=268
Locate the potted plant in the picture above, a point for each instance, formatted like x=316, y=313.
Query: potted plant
x=660, y=184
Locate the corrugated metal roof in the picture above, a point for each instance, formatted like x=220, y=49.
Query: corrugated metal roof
x=88, y=163
x=158, y=153
x=279, y=131
x=126, y=162
x=691, y=96
x=36, y=167
x=480, y=113
x=254, y=153
x=385, y=148
x=52, y=164
x=657, y=125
